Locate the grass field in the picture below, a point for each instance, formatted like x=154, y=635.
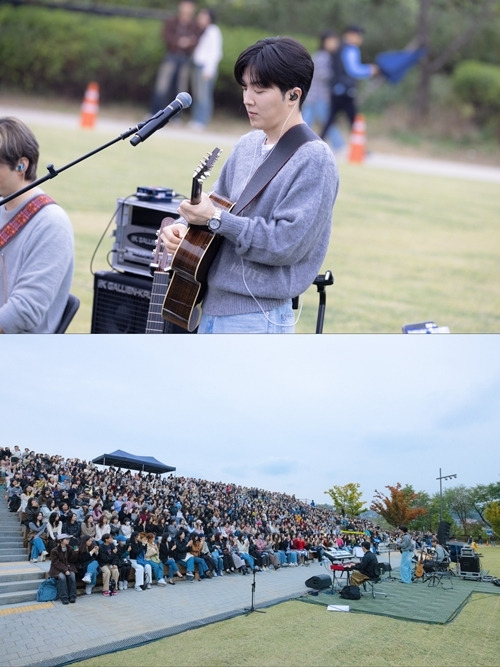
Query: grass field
x=404, y=248
x=304, y=635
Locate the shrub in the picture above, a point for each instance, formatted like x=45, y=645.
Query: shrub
x=67, y=50
x=478, y=84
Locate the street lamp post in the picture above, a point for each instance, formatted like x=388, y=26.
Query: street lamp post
x=440, y=478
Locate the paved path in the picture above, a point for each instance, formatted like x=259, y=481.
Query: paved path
x=375, y=160
x=46, y=634
x=49, y=634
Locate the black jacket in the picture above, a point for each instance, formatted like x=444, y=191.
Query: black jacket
x=107, y=556
x=368, y=565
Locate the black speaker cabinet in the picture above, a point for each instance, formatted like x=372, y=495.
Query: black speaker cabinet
x=470, y=564
x=443, y=534
x=319, y=582
x=121, y=303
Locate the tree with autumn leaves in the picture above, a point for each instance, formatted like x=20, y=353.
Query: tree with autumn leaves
x=400, y=507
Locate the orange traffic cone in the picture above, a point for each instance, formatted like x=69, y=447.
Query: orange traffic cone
x=358, y=139
x=90, y=105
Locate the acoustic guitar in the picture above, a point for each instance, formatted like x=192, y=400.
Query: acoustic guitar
x=419, y=568
x=192, y=259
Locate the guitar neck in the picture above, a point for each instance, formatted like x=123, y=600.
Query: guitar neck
x=155, y=323
x=196, y=190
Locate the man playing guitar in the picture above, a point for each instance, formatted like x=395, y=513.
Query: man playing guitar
x=272, y=250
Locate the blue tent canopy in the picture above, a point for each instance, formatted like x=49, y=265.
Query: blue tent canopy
x=395, y=64
x=123, y=459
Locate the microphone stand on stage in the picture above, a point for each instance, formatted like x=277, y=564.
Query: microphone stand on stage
x=252, y=605
x=141, y=131
x=390, y=577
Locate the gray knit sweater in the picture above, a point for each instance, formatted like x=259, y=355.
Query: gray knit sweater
x=36, y=270
x=274, y=250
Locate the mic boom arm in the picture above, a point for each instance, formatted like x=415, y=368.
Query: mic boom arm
x=160, y=119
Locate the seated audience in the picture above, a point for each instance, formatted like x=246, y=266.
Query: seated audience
x=87, y=563
x=136, y=551
x=63, y=567
x=152, y=557
x=108, y=562
x=36, y=536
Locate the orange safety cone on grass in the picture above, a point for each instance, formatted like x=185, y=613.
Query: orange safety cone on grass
x=357, y=142
x=90, y=106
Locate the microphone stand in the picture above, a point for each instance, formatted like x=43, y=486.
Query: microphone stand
x=390, y=577
x=53, y=172
x=252, y=606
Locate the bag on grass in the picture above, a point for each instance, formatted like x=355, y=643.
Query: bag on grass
x=350, y=593
x=47, y=591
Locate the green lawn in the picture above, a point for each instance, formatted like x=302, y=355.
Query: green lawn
x=305, y=635
x=405, y=247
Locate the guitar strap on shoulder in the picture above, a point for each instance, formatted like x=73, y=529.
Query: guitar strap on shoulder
x=22, y=217
x=282, y=152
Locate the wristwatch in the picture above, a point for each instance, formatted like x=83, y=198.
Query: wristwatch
x=214, y=223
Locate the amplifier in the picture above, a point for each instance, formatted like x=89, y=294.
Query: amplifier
x=470, y=564
x=137, y=222
x=121, y=303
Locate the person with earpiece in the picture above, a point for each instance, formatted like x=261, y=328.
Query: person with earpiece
x=284, y=180
x=36, y=240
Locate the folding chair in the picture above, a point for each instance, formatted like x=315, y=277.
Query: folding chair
x=375, y=580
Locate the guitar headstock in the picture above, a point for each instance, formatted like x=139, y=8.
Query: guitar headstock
x=201, y=173
x=161, y=258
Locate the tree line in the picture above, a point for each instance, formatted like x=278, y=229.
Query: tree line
x=471, y=511
x=452, y=32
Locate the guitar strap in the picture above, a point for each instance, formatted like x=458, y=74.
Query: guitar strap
x=22, y=217
x=282, y=152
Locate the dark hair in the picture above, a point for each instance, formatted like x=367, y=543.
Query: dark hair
x=54, y=515
x=326, y=35
x=276, y=61
x=18, y=141
x=366, y=545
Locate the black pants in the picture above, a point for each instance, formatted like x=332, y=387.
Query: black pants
x=66, y=586
x=340, y=103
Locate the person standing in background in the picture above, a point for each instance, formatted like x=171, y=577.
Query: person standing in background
x=316, y=108
x=347, y=71
x=206, y=58
x=180, y=35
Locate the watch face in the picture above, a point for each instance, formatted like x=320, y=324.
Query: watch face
x=214, y=224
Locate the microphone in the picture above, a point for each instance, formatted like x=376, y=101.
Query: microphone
x=161, y=118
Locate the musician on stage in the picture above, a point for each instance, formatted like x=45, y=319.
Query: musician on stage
x=366, y=569
x=438, y=557
x=36, y=240
x=273, y=250
x=406, y=548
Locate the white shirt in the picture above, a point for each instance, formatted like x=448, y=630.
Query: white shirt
x=208, y=52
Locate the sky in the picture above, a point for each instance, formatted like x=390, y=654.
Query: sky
x=294, y=414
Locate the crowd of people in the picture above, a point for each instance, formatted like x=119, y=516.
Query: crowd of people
x=90, y=519
x=158, y=529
